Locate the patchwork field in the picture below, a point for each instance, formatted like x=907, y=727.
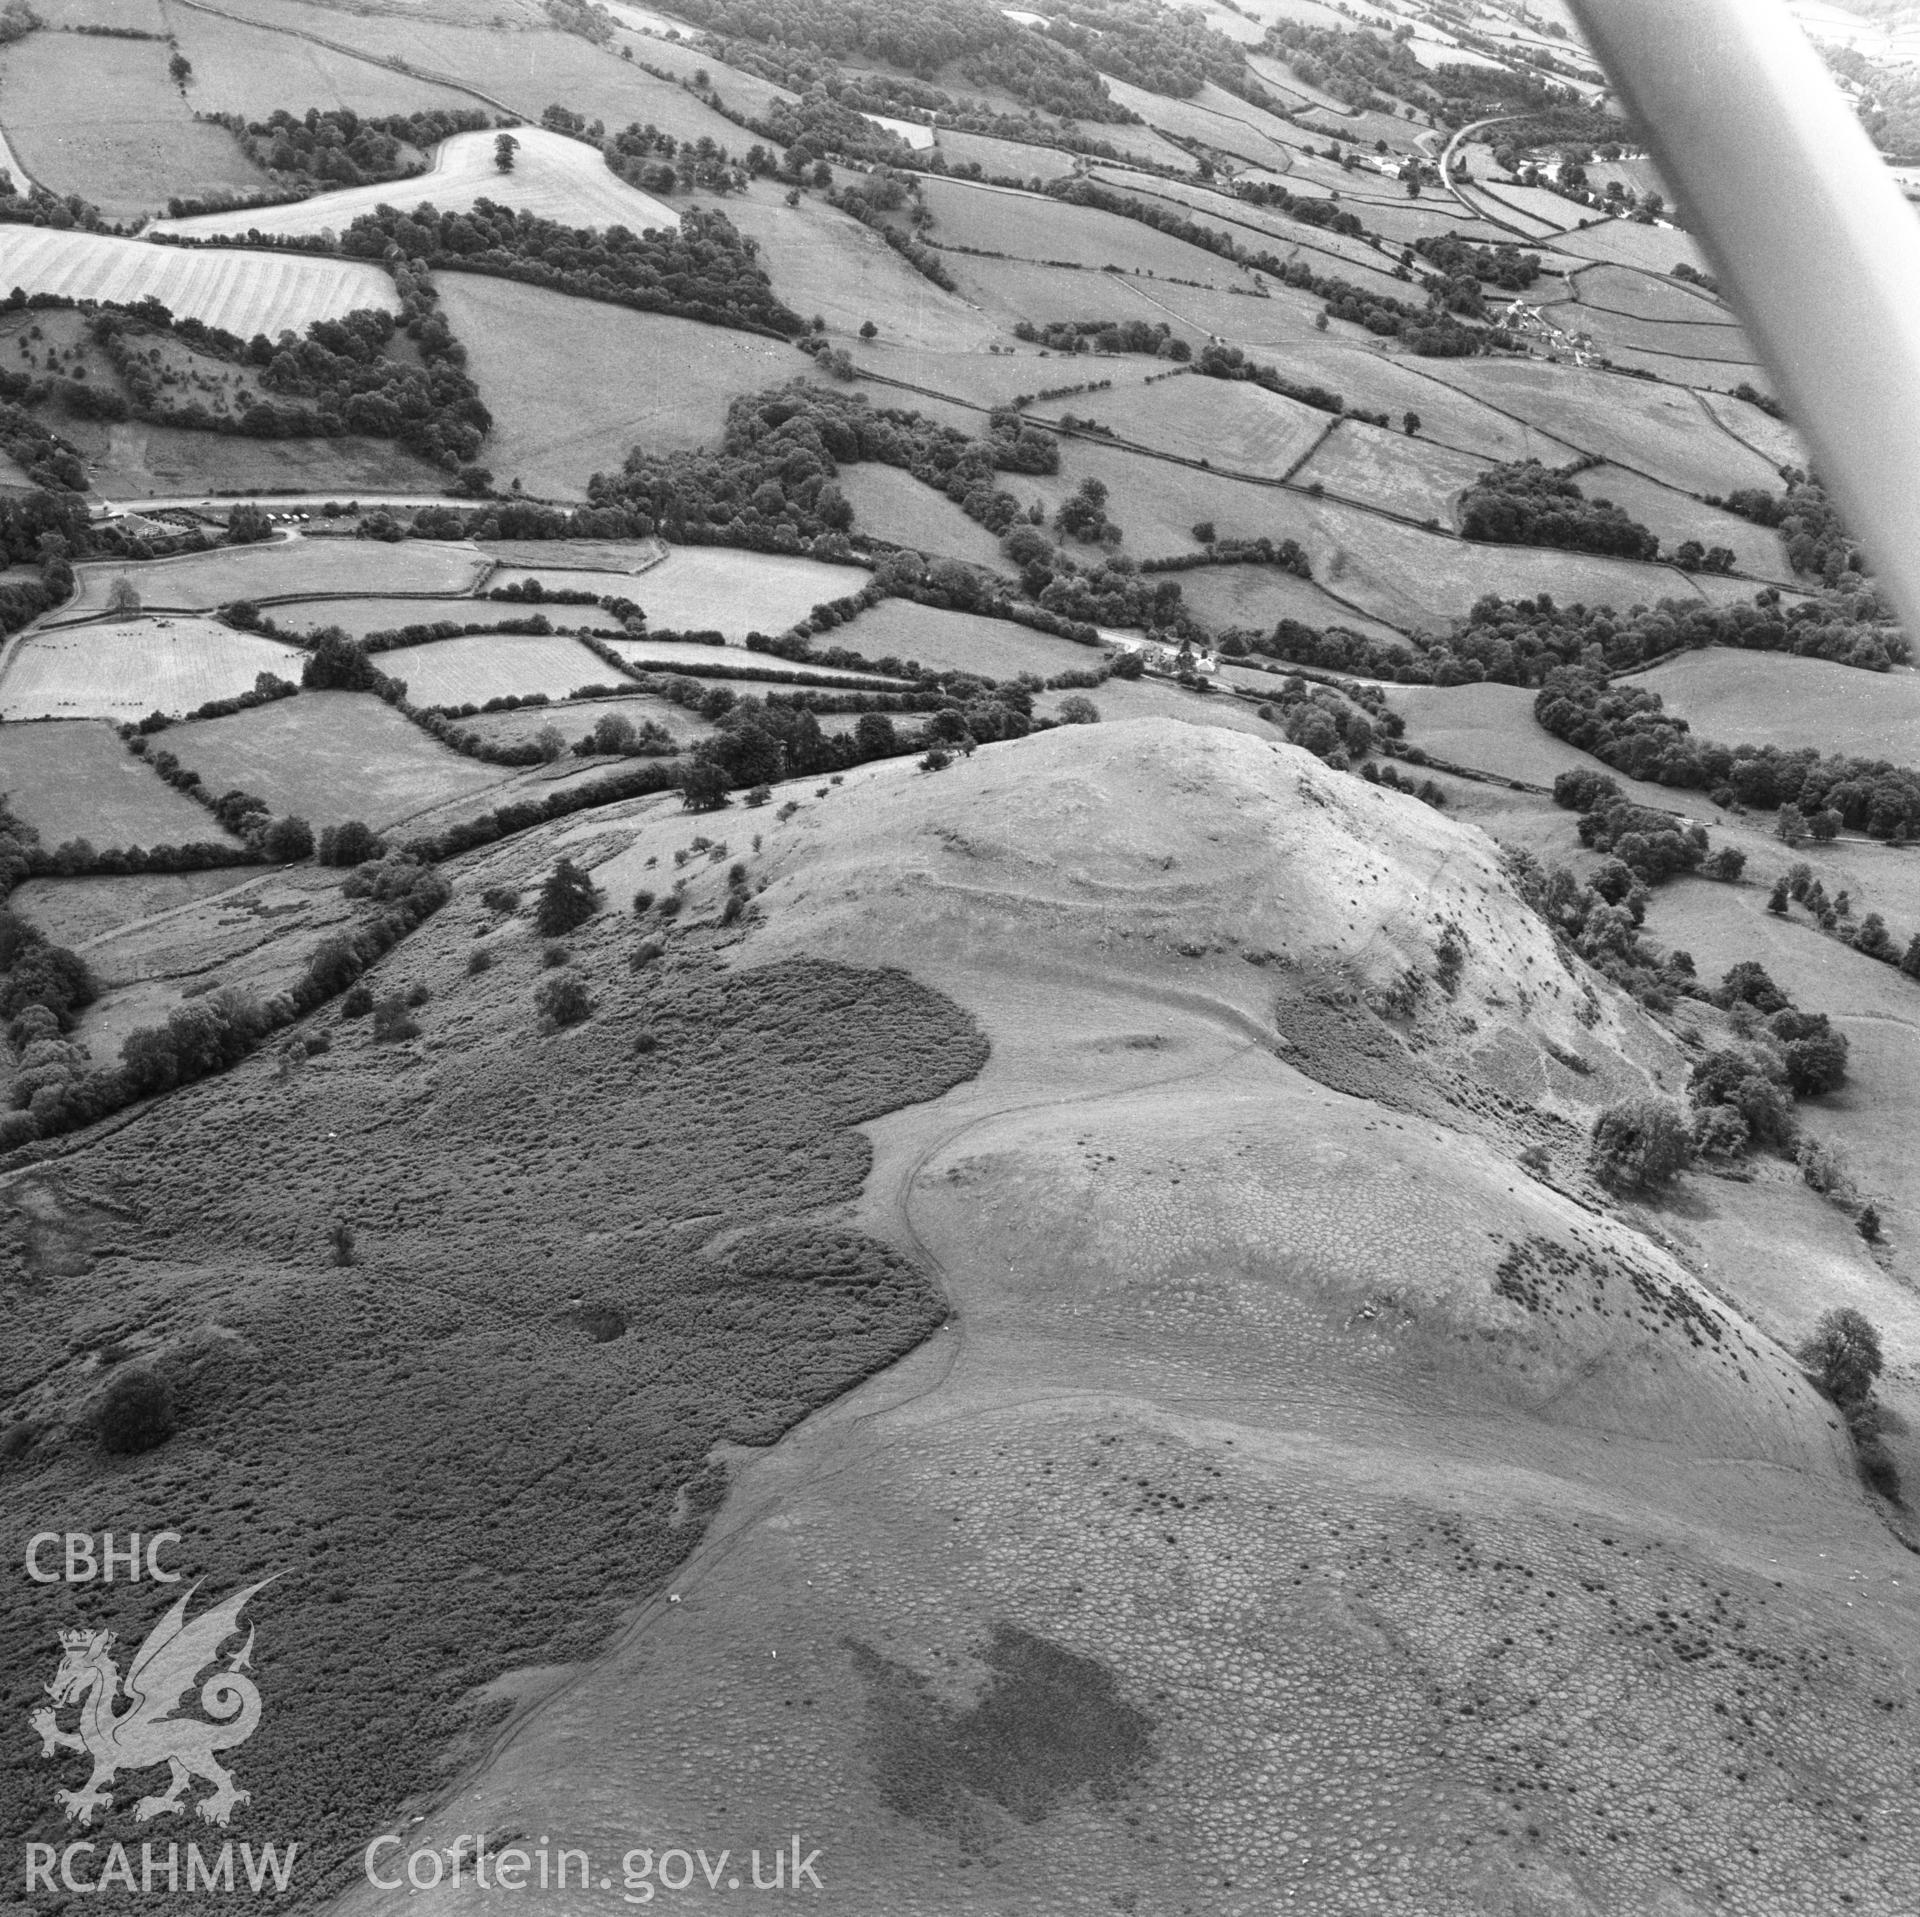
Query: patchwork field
x=606, y=380
x=458, y=672
x=825, y=262
x=1215, y=119
x=282, y=567
x=126, y=669
x=1238, y=427
x=995, y=220
x=526, y=68
x=553, y=177
x=528, y=722
x=702, y=588
x=1488, y=727
x=1773, y=439
x=1657, y=249
x=1650, y=296
x=76, y=780
x=244, y=293
x=892, y=504
x=357, y=617
x=961, y=641
x=1257, y=598
x=1400, y=471
x=99, y=117
x=1651, y=429
x=1676, y=516
x=330, y=756
x=1775, y=699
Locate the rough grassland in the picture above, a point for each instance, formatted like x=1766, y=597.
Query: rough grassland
x=458, y=672
x=99, y=117
x=285, y=566
x=329, y=756
x=482, y=1443
x=244, y=293
x=604, y=379
x=892, y=504
x=1774, y=699
x=127, y=669
x=77, y=781
x=701, y=588
x=131, y=460
x=825, y=262
x=553, y=176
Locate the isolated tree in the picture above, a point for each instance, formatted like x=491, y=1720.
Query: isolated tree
x=122, y=595
x=1777, y=899
x=1640, y=1144
x=1078, y=710
x=703, y=787
x=1844, y=1355
x=180, y=71
x=868, y=330
x=1411, y=421
x=505, y=146
x=567, y=899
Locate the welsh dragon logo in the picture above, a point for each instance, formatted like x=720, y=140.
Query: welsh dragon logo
x=150, y=1731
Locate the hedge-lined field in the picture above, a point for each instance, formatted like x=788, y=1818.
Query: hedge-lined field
x=241, y=292
x=76, y=780
x=128, y=668
x=553, y=176
x=328, y=756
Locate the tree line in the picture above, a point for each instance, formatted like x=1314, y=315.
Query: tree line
x=1628, y=728
x=702, y=269
x=1528, y=504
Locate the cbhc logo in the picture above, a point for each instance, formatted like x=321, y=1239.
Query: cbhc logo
x=82, y=1564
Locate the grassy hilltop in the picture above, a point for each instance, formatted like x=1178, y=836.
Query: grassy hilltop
x=981, y=932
